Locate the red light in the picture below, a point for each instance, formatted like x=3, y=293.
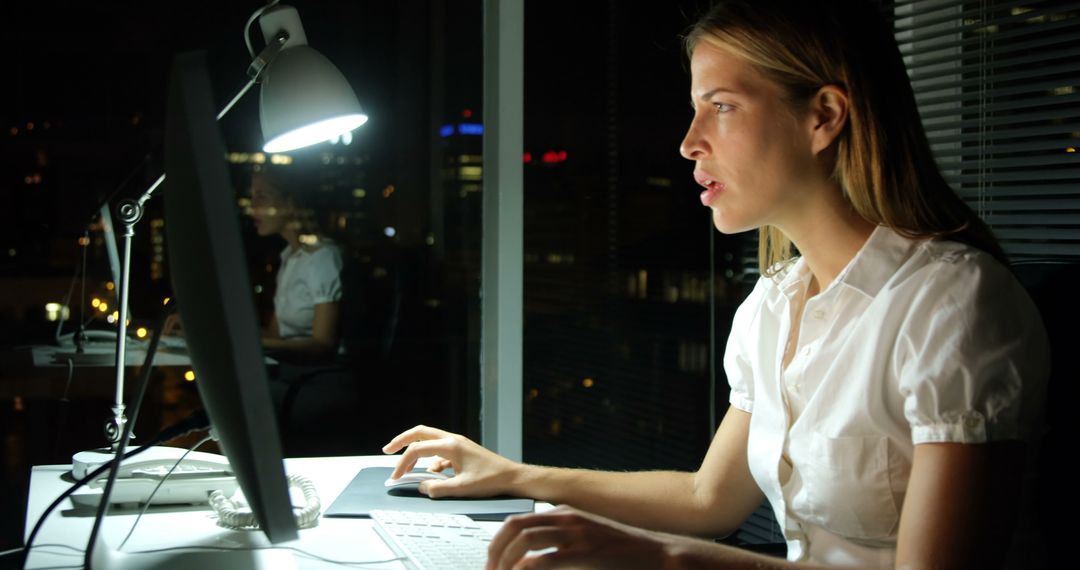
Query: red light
x=551, y=156
x=467, y=113
x=527, y=157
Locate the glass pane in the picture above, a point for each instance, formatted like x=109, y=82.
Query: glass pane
x=398, y=196
x=628, y=287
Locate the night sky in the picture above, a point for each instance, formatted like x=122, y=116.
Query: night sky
x=90, y=78
x=85, y=90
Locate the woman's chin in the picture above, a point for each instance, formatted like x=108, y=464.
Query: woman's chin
x=727, y=226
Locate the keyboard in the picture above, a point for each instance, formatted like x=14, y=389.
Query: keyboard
x=433, y=541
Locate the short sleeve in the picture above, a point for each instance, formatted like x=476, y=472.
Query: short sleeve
x=974, y=359
x=737, y=356
x=326, y=275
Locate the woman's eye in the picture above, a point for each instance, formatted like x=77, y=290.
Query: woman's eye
x=722, y=108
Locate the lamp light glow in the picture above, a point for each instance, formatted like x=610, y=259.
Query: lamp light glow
x=304, y=98
x=313, y=133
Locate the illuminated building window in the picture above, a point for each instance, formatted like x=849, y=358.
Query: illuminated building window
x=471, y=173
x=471, y=159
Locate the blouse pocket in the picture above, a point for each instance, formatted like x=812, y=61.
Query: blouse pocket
x=847, y=487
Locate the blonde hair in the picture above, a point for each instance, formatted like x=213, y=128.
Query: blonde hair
x=884, y=164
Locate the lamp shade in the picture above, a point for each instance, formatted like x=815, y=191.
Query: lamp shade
x=305, y=100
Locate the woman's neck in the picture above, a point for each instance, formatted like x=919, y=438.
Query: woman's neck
x=828, y=237
x=291, y=236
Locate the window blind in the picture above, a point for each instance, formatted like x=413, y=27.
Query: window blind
x=998, y=88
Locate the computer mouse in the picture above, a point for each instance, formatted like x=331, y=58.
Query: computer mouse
x=413, y=478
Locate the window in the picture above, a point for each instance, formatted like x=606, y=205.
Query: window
x=629, y=290
x=998, y=86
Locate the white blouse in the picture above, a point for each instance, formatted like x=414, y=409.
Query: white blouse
x=307, y=277
x=915, y=341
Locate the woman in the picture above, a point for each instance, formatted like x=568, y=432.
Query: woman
x=304, y=326
x=306, y=301
x=315, y=395
x=884, y=383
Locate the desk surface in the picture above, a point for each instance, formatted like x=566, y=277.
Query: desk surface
x=104, y=354
x=341, y=539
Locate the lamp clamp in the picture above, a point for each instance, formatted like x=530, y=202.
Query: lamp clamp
x=273, y=47
x=129, y=212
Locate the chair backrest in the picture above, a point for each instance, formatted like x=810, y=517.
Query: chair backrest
x=1052, y=286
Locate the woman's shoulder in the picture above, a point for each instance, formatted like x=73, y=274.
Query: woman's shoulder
x=950, y=278
x=951, y=265
x=324, y=249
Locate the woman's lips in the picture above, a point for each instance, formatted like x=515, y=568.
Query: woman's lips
x=710, y=194
x=711, y=185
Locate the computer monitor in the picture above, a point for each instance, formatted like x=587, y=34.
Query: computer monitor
x=215, y=300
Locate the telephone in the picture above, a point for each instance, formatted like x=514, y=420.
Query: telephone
x=198, y=475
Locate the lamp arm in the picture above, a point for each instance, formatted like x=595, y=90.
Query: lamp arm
x=247, y=27
x=254, y=72
x=130, y=212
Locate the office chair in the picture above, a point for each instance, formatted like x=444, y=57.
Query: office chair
x=1052, y=286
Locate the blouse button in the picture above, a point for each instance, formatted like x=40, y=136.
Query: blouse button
x=806, y=351
x=818, y=314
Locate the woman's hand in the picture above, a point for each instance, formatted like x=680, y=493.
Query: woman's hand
x=568, y=538
x=477, y=471
x=172, y=326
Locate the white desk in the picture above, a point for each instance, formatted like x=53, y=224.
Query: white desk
x=104, y=354
x=334, y=538
x=170, y=352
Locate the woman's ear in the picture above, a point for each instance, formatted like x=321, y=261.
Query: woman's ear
x=828, y=116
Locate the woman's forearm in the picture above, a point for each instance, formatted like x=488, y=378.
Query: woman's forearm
x=656, y=500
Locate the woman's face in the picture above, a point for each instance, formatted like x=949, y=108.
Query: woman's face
x=752, y=149
x=268, y=210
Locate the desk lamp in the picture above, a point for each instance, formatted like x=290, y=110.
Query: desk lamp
x=304, y=100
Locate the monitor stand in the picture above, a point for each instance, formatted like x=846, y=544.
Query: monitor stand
x=203, y=557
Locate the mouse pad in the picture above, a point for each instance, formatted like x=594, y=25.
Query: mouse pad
x=366, y=493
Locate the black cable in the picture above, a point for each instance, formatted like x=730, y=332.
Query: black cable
x=150, y=497
x=67, y=298
x=79, y=338
x=151, y=350
x=121, y=445
x=112, y=194
x=62, y=413
x=195, y=422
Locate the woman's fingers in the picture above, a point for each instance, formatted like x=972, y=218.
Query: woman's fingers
x=534, y=539
x=478, y=472
x=566, y=537
x=440, y=465
x=512, y=529
x=417, y=433
x=445, y=447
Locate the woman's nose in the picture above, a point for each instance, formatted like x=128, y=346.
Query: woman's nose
x=694, y=146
